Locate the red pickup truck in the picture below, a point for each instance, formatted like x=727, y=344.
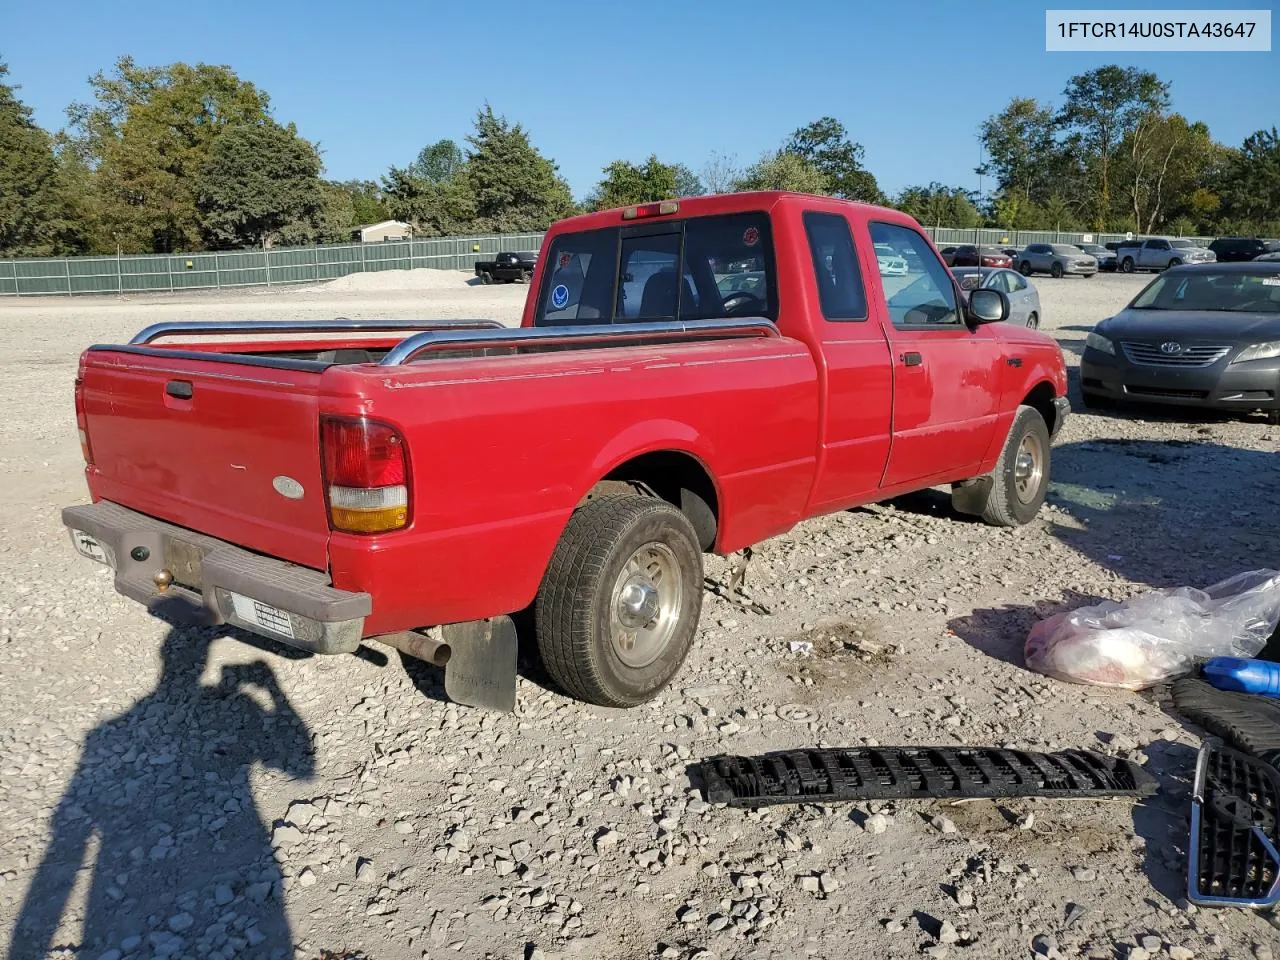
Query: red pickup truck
x=689, y=376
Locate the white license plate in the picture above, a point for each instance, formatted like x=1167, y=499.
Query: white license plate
x=263, y=615
x=88, y=546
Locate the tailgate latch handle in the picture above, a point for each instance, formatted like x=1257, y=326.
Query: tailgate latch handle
x=179, y=389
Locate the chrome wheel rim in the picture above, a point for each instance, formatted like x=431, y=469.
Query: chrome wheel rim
x=1028, y=468
x=645, y=605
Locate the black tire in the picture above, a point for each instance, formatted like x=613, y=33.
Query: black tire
x=1007, y=504
x=578, y=604
x=1126, y=265
x=1273, y=417
x=525, y=275
x=1024, y=268
x=1055, y=271
x=1033, y=321
x=1173, y=262
x=486, y=278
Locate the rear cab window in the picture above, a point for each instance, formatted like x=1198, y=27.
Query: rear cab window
x=695, y=268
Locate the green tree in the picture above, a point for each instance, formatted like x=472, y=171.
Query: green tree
x=147, y=138
x=434, y=209
x=720, y=172
x=515, y=188
x=35, y=206
x=338, y=213
x=939, y=205
x=1249, y=185
x=626, y=183
x=1019, y=147
x=688, y=183
x=783, y=171
x=438, y=162
x=1160, y=164
x=1102, y=107
x=826, y=146
x=367, y=203
x=259, y=185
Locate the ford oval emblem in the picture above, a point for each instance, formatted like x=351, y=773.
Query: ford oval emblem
x=1171, y=348
x=288, y=487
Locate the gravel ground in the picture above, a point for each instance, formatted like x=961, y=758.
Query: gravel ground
x=196, y=793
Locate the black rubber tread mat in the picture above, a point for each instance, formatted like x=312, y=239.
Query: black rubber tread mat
x=1246, y=721
x=1235, y=830
x=908, y=773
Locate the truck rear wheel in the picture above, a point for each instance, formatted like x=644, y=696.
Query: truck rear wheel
x=1016, y=488
x=486, y=277
x=619, y=605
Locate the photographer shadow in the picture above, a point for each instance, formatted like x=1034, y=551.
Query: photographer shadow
x=161, y=818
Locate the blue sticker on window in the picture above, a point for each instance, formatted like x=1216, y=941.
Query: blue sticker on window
x=560, y=296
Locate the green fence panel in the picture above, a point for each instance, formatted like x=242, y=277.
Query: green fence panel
x=290, y=265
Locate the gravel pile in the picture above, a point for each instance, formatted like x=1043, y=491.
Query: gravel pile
x=185, y=793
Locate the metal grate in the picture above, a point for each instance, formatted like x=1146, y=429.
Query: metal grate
x=1233, y=851
x=1187, y=355
x=889, y=773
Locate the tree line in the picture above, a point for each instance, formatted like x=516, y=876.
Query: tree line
x=188, y=158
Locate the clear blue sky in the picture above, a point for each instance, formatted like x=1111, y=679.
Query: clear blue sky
x=592, y=82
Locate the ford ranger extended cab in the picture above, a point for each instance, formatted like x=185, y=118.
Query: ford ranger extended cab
x=323, y=483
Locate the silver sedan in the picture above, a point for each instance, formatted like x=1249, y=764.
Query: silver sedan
x=1024, y=299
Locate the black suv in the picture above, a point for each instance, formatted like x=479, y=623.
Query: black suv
x=1237, y=249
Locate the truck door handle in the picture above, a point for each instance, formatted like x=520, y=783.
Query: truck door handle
x=179, y=389
x=911, y=359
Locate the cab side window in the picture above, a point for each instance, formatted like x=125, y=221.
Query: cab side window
x=835, y=266
x=919, y=299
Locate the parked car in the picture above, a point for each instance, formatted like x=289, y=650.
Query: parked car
x=1238, y=249
x=507, y=267
x=1106, y=258
x=969, y=255
x=891, y=263
x=1202, y=335
x=366, y=486
x=1268, y=257
x=1158, y=253
x=1056, y=259
x=1024, y=299
x=948, y=255
x=1011, y=253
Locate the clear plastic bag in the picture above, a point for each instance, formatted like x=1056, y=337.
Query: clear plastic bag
x=1159, y=635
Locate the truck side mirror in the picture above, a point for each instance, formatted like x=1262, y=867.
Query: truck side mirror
x=988, y=306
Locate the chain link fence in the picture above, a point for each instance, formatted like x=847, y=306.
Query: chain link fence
x=278, y=266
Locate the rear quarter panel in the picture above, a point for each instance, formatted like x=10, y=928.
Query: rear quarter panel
x=503, y=448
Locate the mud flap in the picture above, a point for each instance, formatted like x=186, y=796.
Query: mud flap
x=970, y=496
x=481, y=671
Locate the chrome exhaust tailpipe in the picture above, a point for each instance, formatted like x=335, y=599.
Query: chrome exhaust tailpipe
x=433, y=651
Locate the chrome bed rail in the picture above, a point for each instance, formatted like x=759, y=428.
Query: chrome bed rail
x=170, y=328
x=604, y=334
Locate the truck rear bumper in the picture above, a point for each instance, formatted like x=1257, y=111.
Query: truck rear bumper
x=215, y=582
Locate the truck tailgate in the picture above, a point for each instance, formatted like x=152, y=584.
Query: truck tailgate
x=229, y=450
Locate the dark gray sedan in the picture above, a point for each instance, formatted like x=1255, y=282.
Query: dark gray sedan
x=1203, y=335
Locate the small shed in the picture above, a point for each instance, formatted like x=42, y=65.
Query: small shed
x=386, y=230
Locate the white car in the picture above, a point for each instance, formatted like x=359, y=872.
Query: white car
x=892, y=264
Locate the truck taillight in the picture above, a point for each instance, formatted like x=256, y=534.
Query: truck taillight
x=366, y=471
x=82, y=423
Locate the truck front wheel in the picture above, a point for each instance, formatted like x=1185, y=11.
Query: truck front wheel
x=1014, y=491
x=619, y=605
